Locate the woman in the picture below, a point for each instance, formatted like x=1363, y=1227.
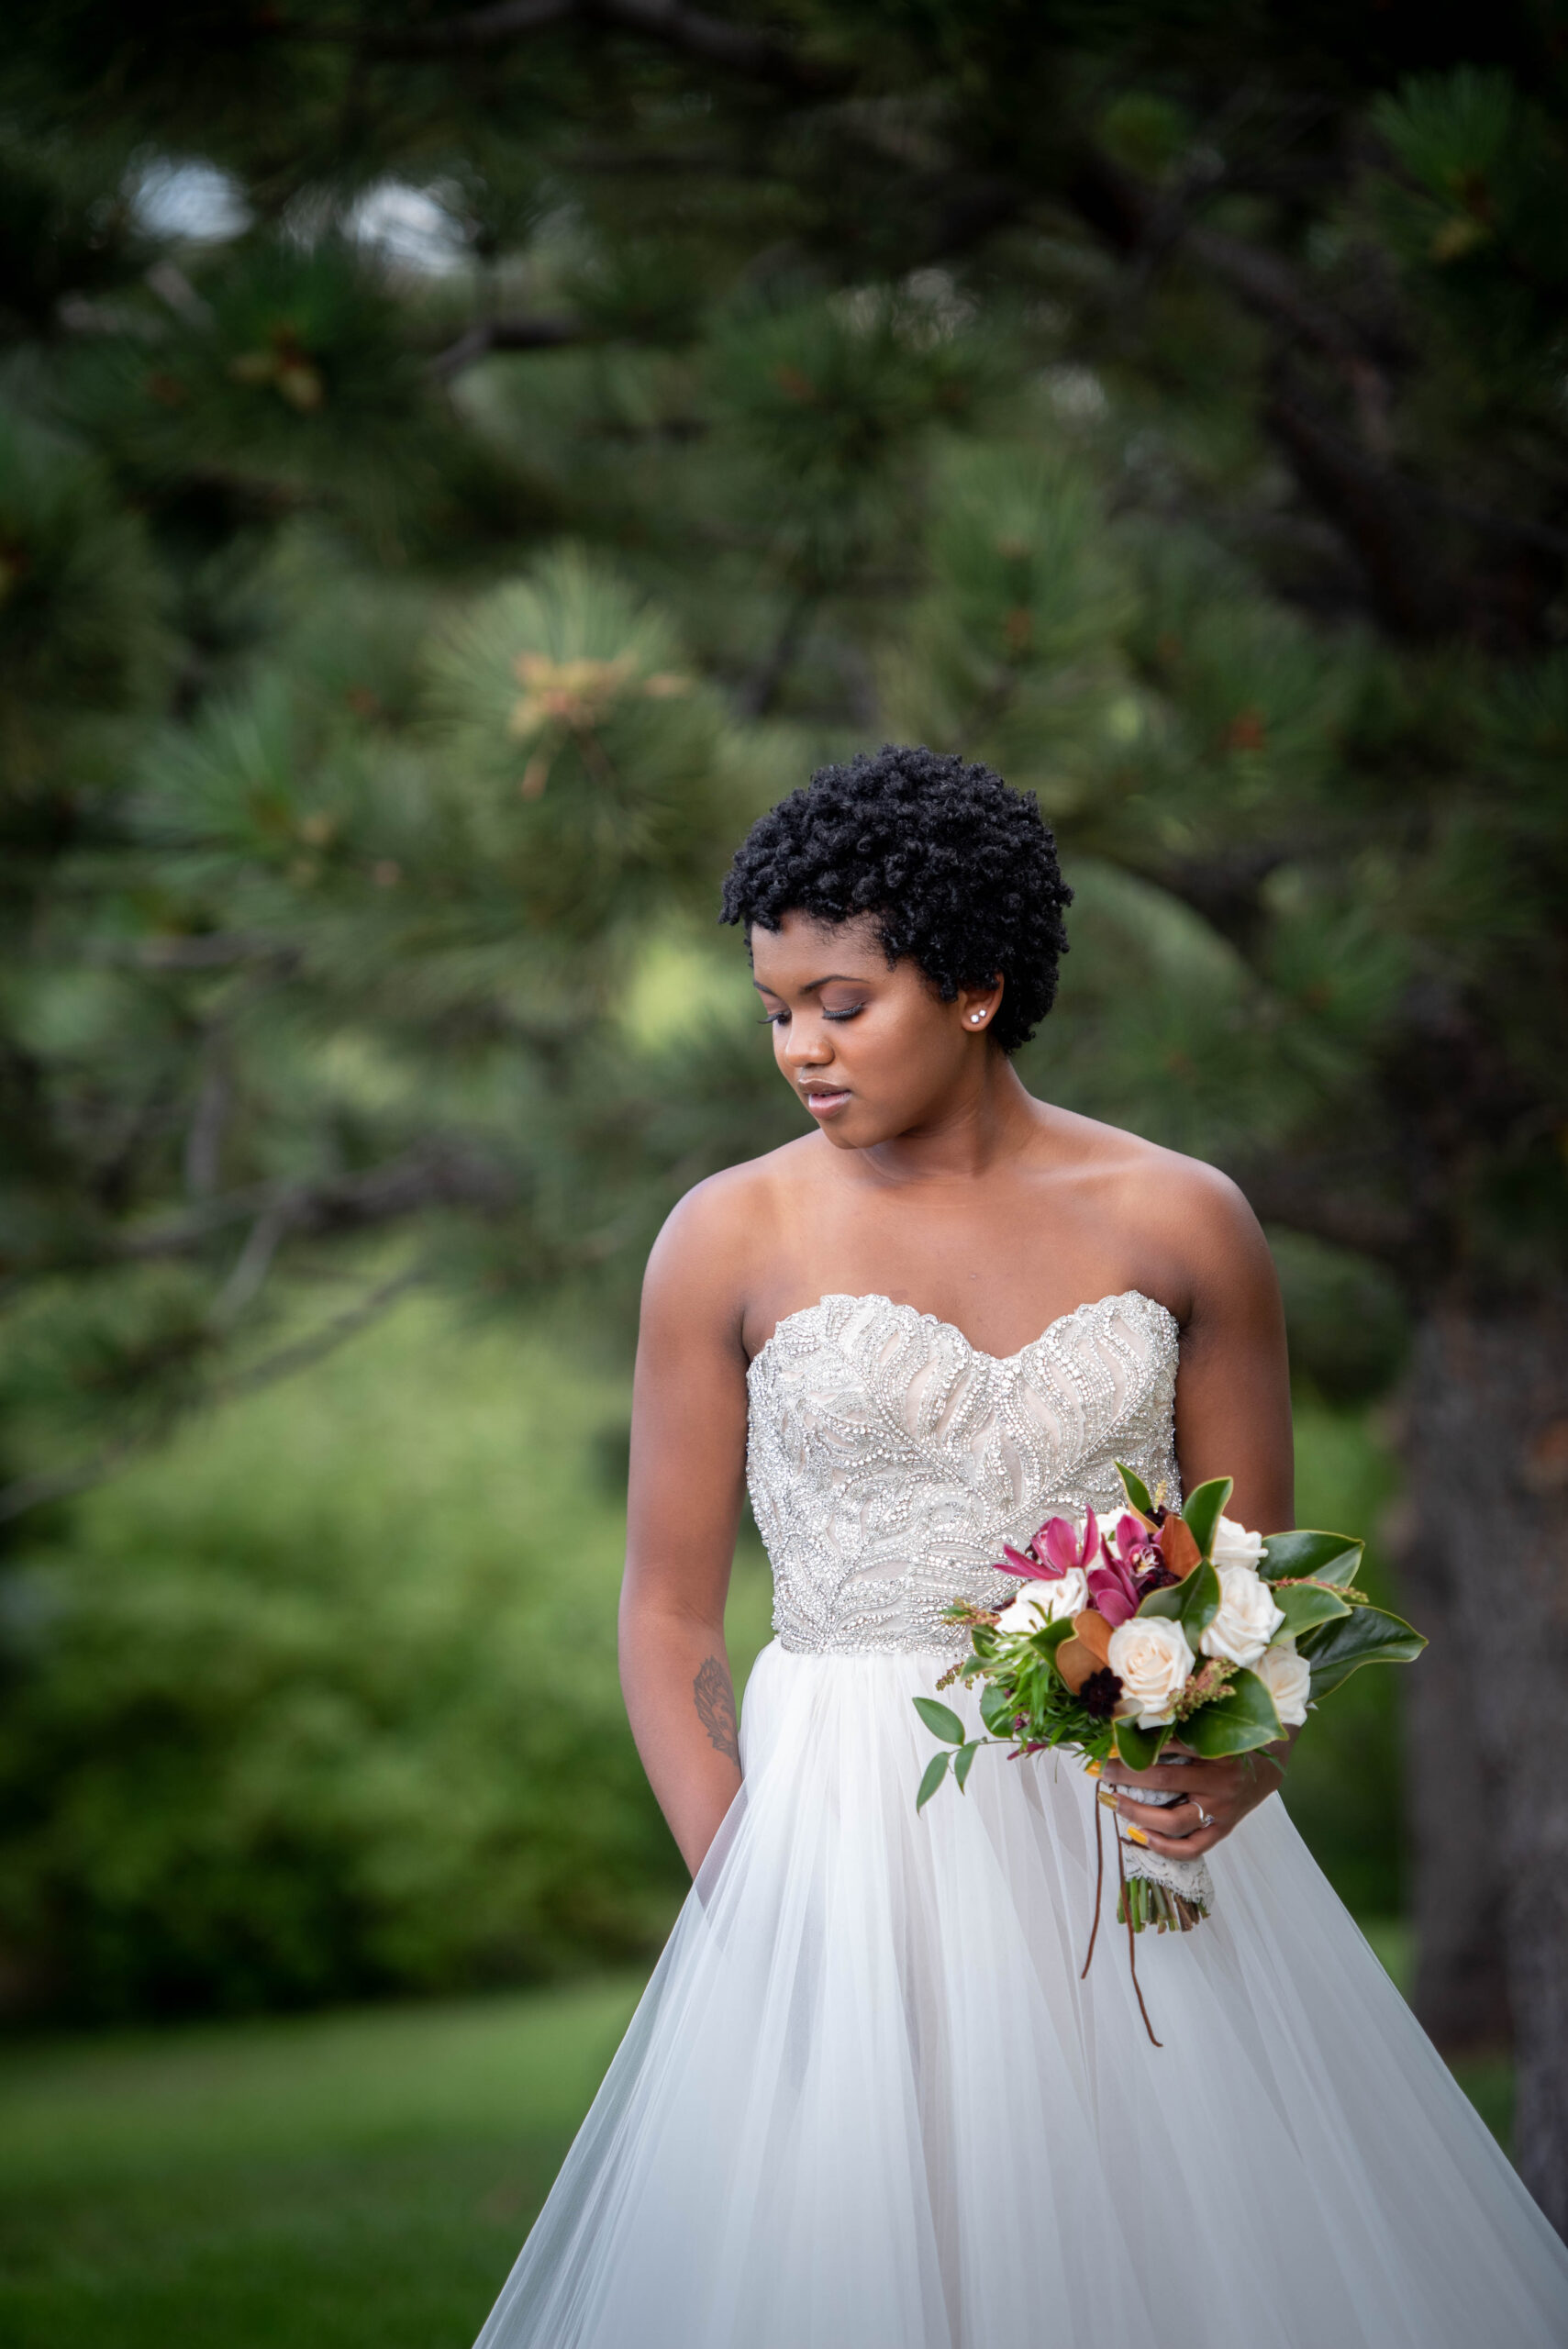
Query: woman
x=867, y=2099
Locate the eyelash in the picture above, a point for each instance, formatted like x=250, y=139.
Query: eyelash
x=777, y=1019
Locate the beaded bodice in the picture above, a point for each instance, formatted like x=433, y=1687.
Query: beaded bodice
x=888, y=1459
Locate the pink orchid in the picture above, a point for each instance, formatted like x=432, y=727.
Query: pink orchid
x=1113, y=1590
x=1054, y=1550
x=1133, y=1541
x=1138, y=1554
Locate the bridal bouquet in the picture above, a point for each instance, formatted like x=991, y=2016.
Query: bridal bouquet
x=1161, y=1629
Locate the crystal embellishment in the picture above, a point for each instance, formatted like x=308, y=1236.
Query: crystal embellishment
x=888, y=1459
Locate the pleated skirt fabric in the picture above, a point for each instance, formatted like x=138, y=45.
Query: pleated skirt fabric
x=867, y=2103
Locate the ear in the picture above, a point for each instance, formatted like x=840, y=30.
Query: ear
x=978, y=1006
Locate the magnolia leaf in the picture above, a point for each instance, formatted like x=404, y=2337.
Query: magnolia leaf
x=1140, y=1748
x=1303, y=1608
x=936, y=1771
x=1168, y=1602
x=1233, y=1724
x=1178, y=1547
x=1050, y=1636
x=1327, y=1558
x=1203, y=1509
x=1200, y=1602
x=1366, y=1635
x=1137, y=1491
x=1092, y=1628
x=1075, y=1662
x=963, y=1762
x=942, y=1721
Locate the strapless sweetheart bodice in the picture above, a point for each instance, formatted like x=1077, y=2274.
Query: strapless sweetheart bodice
x=888, y=1459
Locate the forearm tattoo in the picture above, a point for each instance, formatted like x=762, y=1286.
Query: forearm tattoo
x=716, y=1708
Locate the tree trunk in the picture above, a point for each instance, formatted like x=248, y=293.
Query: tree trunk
x=1486, y=1448
x=1460, y=1990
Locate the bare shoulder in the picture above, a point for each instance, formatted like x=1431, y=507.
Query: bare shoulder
x=1203, y=1227
x=714, y=1234
x=1189, y=1219
x=1188, y=1195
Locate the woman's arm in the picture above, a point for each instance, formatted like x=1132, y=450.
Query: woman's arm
x=1232, y=1419
x=688, y=1453
x=1233, y=1390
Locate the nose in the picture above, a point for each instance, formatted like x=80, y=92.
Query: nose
x=806, y=1042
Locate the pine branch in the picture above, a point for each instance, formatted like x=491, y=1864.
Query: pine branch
x=204, y=1138
x=1368, y=502
x=263, y=1241
x=1376, y=508
x=439, y=1175
x=1137, y=219
x=761, y=688
x=486, y=335
x=1382, y=512
x=760, y=56
x=301, y=1352
x=26, y=1493
x=1311, y=1196
x=213, y=951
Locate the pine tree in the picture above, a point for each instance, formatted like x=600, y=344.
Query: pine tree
x=1163, y=402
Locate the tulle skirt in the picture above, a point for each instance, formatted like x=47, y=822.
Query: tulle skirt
x=866, y=2102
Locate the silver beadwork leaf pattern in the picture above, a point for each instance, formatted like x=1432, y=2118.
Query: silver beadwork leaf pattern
x=888, y=1459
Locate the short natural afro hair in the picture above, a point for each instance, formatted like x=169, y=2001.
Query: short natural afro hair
x=959, y=870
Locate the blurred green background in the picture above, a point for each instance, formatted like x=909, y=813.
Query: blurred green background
x=456, y=468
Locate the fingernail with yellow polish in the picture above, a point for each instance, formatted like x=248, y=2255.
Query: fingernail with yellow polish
x=1091, y=1769
x=1136, y=1835
x=1108, y=1795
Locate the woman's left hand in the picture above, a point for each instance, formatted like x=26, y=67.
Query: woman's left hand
x=1219, y=1794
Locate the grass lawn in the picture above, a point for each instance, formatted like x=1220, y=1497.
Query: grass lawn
x=346, y=2181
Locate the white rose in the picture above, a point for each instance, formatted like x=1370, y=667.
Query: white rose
x=1247, y=1620
x=1288, y=1679
x=1234, y=1546
x=1151, y=1657
x=1047, y=1602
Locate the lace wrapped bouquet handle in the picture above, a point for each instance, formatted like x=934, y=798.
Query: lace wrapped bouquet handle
x=1160, y=1627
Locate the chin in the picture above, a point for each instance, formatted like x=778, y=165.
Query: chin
x=860, y=1129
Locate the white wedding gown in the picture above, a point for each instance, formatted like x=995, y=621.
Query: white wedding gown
x=866, y=2102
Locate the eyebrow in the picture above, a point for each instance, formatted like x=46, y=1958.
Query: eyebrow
x=833, y=978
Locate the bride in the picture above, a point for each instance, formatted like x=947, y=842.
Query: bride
x=866, y=2102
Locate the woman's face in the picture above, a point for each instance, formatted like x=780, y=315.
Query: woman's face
x=873, y=1052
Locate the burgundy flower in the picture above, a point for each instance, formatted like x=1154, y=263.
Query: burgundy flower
x=1101, y=1693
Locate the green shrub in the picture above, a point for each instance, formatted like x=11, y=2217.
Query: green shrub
x=324, y=1702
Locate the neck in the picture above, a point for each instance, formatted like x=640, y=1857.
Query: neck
x=985, y=1119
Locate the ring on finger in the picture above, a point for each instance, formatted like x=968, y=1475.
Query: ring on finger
x=1204, y=1819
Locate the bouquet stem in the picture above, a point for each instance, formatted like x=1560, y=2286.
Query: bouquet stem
x=1099, y=1890
x=1125, y=1912
x=1143, y=1903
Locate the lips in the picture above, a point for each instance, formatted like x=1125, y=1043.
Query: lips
x=825, y=1101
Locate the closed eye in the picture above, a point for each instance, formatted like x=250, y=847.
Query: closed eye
x=781, y=1018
